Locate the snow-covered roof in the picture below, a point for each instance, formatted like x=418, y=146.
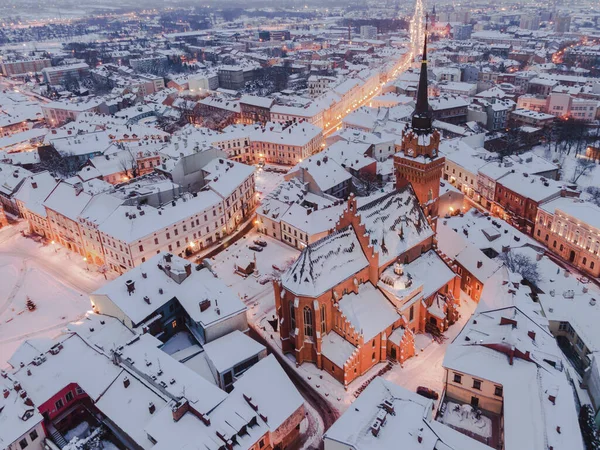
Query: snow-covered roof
x=336, y=349
x=224, y=176
x=253, y=100
x=194, y=287
x=264, y=390
x=11, y=178
x=368, y=311
x=34, y=191
x=128, y=224
x=529, y=378
x=16, y=417
x=232, y=349
x=405, y=422
x=394, y=223
x=77, y=362
x=67, y=200
x=585, y=212
x=142, y=355
x=325, y=263
x=104, y=332
x=128, y=407
x=312, y=222
x=428, y=271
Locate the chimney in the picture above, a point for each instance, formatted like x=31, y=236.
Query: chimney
x=34, y=185
x=531, y=334
x=151, y=408
x=168, y=257
x=479, y=264
x=375, y=428
x=6, y=393
x=179, y=409
x=188, y=269
x=130, y=286
x=552, y=398
x=147, y=299
x=204, y=305
x=144, y=275
x=507, y=321
x=126, y=382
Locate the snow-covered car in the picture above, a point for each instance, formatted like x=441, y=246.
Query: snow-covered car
x=255, y=248
x=260, y=242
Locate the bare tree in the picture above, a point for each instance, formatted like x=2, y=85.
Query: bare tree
x=129, y=165
x=521, y=264
x=594, y=193
x=583, y=166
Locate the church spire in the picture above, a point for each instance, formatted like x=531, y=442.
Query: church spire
x=421, y=121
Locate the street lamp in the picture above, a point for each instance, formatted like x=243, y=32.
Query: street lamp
x=87, y=267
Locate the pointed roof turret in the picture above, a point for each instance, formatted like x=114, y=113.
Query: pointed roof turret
x=421, y=121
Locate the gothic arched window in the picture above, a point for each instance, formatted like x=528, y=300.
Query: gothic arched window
x=308, y=322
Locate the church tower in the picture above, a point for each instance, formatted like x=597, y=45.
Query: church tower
x=418, y=162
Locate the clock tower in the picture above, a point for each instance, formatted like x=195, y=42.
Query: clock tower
x=418, y=161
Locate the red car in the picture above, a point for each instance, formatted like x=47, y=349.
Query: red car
x=427, y=393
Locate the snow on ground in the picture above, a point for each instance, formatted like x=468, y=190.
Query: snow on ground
x=266, y=181
x=56, y=281
x=425, y=368
x=275, y=253
x=80, y=431
x=179, y=341
x=568, y=163
x=464, y=417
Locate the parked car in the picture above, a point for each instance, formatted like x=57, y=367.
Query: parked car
x=427, y=393
x=260, y=242
x=255, y=248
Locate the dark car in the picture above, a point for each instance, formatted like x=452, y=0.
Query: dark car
x=260, y=242
x=427, y=393
x=255, y=248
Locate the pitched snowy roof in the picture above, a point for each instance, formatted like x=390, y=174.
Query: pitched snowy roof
x=318, y=221
x=325, y=263
x=336, y=349
x=232, y=349
x=144, y=357
x=199, y=285
x=67, y=200
x=224, y=176
x=585, y=212
x=369, y=312
x=531, y=419
x=326, y=172
x=128, y=407
x=127, y=224
x=394, y=223
x=410, y=420
x=16, y=417
x=77, y=362
x=34, y=191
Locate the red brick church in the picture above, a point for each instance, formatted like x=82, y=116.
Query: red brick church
x=357, y=297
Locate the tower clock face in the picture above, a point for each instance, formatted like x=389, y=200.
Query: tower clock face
x=410, y=152
x=433, y=152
